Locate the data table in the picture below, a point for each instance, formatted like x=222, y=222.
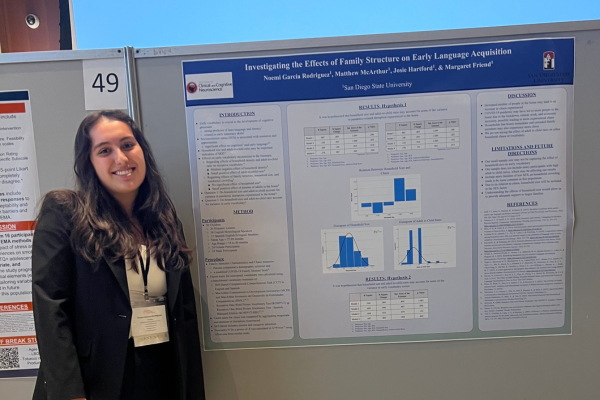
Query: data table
x=385, y=306
x=345, y=139
x=420, y=135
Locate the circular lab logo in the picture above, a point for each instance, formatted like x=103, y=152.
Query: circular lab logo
x=192, y=87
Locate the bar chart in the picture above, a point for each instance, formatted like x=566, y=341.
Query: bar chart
x=352, y=250
x=425, y=246
x=386, y=197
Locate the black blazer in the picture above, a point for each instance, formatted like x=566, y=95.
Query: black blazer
x=83, y=315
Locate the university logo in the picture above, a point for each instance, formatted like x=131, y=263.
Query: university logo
x=213, y=85
x=192, y=87
x=548, y=60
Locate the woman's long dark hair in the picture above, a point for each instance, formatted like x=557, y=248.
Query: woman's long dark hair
x=101, y=226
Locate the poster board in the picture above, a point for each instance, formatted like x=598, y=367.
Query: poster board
x=37, y=143
x=383, y=195
x=358, y=371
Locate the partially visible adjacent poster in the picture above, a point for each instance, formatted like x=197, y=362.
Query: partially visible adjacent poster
x=383, y=195
x=19, y=194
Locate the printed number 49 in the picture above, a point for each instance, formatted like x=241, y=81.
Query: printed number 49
x=111, y=80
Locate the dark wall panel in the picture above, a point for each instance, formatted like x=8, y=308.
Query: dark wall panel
x=16, y=36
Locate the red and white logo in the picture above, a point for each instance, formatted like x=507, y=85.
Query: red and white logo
x=192, y=87
x=548, y=60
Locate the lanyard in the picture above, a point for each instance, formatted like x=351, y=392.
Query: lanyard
x=145, y=269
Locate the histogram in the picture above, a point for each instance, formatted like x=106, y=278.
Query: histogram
x=354, y=250
x=409, y=259
x=426, y=246
x=348, y=256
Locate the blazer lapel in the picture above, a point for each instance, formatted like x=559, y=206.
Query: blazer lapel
x=173, y=278
x=118, y=269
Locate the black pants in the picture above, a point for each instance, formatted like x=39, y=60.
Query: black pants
x=150, y=373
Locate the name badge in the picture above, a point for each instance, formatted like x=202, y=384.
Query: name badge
x=149, y=323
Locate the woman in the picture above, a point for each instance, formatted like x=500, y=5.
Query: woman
x=105, y=259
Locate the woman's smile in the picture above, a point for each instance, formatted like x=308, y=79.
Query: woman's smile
x=125, y=172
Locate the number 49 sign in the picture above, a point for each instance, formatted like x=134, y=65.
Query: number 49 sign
x=104, y=84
